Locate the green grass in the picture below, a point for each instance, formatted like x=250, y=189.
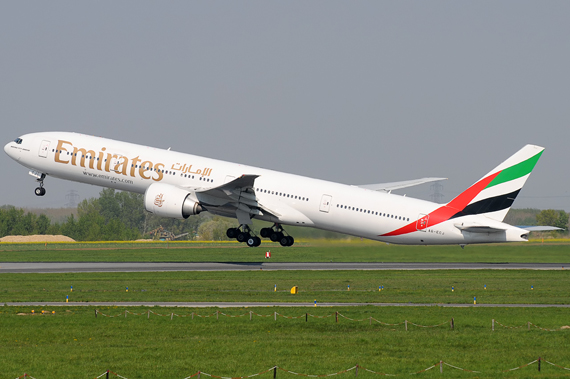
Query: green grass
x=73, y=343
x=320, y=251
x=503, y=286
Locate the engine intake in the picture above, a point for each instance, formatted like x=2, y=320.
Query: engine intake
x=170, y=201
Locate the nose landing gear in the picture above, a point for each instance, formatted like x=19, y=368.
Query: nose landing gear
x=40, y=191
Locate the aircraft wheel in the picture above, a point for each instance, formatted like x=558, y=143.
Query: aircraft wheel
x=276, y=236
x=291, y=241
x=253, y=241
x=243, y=237
x=232, y=232
x=266, y=232
x=286, y=241
x=40, y=191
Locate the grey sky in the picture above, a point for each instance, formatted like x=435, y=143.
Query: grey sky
x=355, y=91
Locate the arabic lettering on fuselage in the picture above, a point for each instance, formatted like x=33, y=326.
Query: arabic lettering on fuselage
x=187, y=169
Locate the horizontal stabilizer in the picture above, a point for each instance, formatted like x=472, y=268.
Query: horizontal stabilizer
x=398, y=185
x=478, y=228
x=539, y=228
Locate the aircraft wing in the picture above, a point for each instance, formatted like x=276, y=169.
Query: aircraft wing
x=398, y=185
x=236, y=196
x=242, y=184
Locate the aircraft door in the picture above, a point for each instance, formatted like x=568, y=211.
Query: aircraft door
x=422, y=222
x=44, y=148
x=325, y=203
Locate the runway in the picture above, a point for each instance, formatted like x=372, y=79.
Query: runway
x=75, y=267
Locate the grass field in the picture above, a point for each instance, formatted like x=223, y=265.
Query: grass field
x=73, y=343
x=503, y=286
x=316, y=251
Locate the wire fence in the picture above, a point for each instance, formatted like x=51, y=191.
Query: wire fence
x=336, y=315
x=356, y=369
x=527, y=325
x=306, y=316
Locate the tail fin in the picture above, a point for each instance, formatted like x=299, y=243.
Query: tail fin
x=494, y=194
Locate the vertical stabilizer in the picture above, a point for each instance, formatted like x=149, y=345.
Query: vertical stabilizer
x=494, y=194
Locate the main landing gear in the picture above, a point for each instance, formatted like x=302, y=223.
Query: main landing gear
x=277, y=234
x=40, y=191
x=244, y=234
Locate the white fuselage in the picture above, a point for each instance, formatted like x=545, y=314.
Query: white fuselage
x=293, y=199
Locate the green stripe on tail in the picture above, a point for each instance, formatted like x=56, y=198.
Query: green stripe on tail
x=517, y=171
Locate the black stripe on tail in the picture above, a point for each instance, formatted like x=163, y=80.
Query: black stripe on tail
x=492, y=204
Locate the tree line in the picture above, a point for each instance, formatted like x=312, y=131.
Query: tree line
x=121, y=216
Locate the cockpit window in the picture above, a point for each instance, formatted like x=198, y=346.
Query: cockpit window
x=18, y=141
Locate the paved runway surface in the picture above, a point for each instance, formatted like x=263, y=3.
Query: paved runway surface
x=64, y=267
x=267, y=304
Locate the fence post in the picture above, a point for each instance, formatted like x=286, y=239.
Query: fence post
x=538, y=364
x=125, y=313
x=356, y=371
x=493, y=325
x=274, y=316
x=370, y=320
x=452, y=324
x=193, y=319
x=107, y=376
x=171, y=316
x=306, y=317
x=95, y=313
x=198, y=374
x=406, y=323
x=217, y=315
x=148, y=315
x=529, y=325
x=274, y=372
x=336, y=316
x=441, y=367
x=249, y=315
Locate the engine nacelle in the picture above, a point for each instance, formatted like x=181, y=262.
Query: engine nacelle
x=170, y=201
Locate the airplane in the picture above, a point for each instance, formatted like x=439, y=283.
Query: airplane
x=179, y=185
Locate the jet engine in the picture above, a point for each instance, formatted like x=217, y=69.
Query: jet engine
x=170, y=201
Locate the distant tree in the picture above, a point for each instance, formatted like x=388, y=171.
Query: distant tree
x=551, y=217
x=215, y=229
x=42, y=224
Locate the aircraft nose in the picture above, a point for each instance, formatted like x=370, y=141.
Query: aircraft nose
x=9, y=150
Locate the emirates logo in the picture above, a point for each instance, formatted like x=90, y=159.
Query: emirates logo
x=158, y=200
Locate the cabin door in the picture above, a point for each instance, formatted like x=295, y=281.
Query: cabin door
x=325, y=203
x=44, y=148
x=422, y=223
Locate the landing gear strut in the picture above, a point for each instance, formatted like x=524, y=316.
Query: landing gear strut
x=244, y=234
x=277, y=234
x=40, y=191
